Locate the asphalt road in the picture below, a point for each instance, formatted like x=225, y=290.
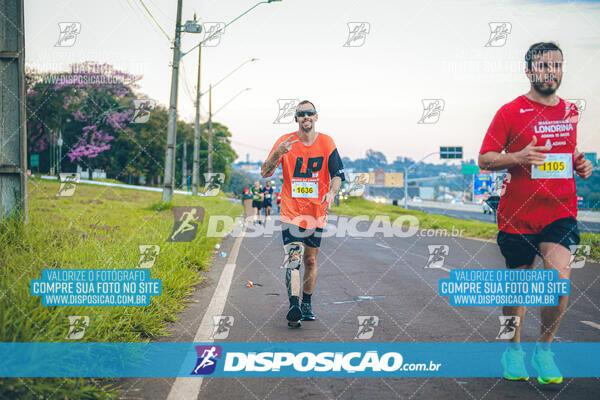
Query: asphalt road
x=584, y=226
x=377, y=276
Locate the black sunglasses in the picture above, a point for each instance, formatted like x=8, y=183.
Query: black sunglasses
x=305, y=113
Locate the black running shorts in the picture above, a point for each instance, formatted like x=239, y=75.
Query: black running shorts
x=520, y=249
x=292, y=233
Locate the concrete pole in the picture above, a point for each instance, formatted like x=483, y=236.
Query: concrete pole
x=169, y=182
x=184, y=165
x=196, y=166
x=13, y=132
x=210, y=131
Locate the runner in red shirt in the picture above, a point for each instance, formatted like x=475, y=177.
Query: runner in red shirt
x=278, y=195
x=534, y=137
x=312, y=175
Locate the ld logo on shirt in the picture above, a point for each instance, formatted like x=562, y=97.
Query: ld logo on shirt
x=314, y=165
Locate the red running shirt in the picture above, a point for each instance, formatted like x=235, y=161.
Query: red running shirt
x=527, y=203
x=307, y=172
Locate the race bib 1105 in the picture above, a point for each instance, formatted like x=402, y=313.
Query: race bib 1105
x=556, y=166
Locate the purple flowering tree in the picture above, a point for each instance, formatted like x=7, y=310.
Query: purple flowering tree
x=100, y=101
x=90, y=105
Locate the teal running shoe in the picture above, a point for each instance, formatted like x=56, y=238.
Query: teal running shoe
x=513, y=362
x=543, y=362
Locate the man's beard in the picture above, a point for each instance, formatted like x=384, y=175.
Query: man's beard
x=306, y=129
x=539, y=87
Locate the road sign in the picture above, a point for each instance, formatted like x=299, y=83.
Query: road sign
x=451, y=152
x=394, y=179
x=469, y=169
x=483, y=185
x=34, y=160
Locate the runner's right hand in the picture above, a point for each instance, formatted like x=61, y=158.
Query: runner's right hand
x=532, y=154
x=286, y=145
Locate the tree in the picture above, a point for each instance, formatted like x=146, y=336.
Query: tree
x=376, y=159
x=100, y=100
x=90, y=106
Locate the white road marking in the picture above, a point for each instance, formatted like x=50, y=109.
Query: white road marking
x=189, y=388
x=383, y=245
x=592, y=324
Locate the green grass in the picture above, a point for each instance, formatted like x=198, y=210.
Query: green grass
x=355, y=206
x=98, y=227
x=592, y=240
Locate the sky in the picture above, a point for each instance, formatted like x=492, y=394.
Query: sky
x=369, y=91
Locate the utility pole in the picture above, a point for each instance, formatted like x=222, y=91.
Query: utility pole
x=13, y=132
x=184, y=165
x=196, y=166
x=210, y=131
x=169, y=182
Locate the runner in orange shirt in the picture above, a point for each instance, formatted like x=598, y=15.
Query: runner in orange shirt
x=312, y=175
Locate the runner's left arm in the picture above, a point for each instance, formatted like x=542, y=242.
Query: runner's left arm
x=336, y=173
x=583, y=166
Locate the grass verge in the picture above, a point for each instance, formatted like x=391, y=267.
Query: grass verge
x=355, y=206
x=98, y=227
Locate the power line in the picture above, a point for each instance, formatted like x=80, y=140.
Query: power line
x=248, y=145
x=155, y=21
x=185, y=83
x=162, y=12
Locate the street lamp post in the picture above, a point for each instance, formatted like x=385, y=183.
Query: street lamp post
x=169, y=179
x=60, y=143
x=210, y=127
x=196, y=166
x=406, y=177
x=210, y=131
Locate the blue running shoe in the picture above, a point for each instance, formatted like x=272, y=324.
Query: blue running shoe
x=513, y=362
x=543, y=362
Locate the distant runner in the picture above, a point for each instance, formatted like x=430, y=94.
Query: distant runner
x=278, y=202
x=267, y=200
x=257, y=201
